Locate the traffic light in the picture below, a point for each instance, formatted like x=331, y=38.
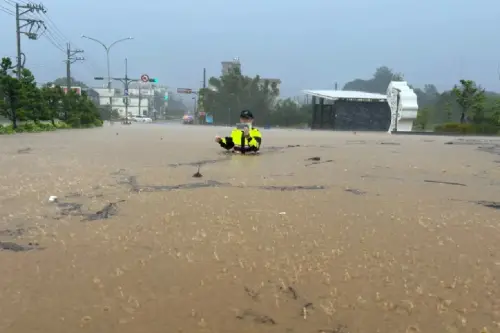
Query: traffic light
x=166, y=96
x=153, y=80
x=98, y=78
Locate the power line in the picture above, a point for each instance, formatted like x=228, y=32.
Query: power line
x=57, y=38
x=6, y=10
x=26, y=26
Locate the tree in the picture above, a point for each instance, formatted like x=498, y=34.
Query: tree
x=288, y=113
x=471, y=99
x=422, y=120
x=22, y=100
x=31, y=107
x=108, y=114
x=10, y=93
x=234, y=92
x=52, y=98
x=449, y=111
x=377, y=84
x=62, y=82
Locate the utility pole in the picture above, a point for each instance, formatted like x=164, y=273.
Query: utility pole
x=70, y=59
x=126, y=82
x=140, y=97
x=204, y=78
x=28, y=27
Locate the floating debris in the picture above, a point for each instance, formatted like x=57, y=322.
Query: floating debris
x=443, y=182
x=489, y=204
x=14, y=247
x=256, y=317
x=198, y=174
x=292, y=188
x=108, y=211
x=355, y=191
x=24, y=151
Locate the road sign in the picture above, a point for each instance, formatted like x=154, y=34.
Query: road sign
x=145, y=78
x=125, y=92
x=184, y=91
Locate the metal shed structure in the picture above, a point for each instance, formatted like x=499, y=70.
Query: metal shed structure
x=349, y=110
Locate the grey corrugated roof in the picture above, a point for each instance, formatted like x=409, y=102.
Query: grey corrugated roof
x=341, y=94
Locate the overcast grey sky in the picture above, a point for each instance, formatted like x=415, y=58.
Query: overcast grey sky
x=307, y=44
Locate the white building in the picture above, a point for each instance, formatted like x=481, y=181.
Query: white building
x=228, y=65
x=140, y=99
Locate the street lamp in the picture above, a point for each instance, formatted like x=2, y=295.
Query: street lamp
x=108, y=48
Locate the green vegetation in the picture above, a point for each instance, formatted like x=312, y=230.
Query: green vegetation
x=33, y=109
x=233, y=92
x=466, y=109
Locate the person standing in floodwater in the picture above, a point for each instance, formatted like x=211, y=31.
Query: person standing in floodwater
x=244, y=138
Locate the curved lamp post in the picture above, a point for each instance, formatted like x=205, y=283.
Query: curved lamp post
x=108, y=48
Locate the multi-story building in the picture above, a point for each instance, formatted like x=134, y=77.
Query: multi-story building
x=140, y=97
x=228, y=65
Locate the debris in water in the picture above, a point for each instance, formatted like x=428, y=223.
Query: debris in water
x=355, y=191
x=258, y=318
x=443, y=182
x=69, y=208
x=198, y=174
x=14, y=247
x=108, y=211
x=24, y=150
x=290, y=291
x=253, y=294
x=489, y=204
x=292, y=188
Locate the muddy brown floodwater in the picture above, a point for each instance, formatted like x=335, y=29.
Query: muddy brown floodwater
x=323, y=232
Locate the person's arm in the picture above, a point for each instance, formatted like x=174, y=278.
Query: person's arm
x=226, y=143
x=254, y=139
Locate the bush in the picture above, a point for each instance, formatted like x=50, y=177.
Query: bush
x=62, y=125
x=6, y=129
x=30, y=127
x=98, y=123
x=464, y=129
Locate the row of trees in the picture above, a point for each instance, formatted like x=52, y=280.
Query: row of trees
x=21, y=100
x=466, y=103
x=232, y=92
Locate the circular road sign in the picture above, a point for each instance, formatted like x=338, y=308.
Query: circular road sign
x=145, y=78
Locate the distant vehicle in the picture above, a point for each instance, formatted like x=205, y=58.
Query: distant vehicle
x=187, y=119
x=141, y=119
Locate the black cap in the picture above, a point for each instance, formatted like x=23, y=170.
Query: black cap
x=246, y=114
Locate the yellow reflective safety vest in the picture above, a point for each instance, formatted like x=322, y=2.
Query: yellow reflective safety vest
x=238, y=142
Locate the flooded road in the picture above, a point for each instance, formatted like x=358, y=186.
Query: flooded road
x=323, y=232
